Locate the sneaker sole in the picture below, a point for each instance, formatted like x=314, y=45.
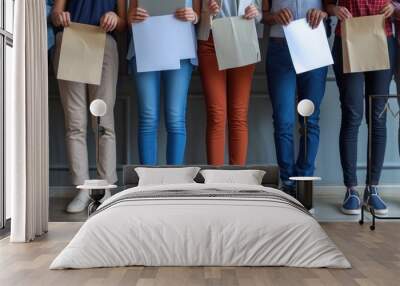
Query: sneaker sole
x=379, y=212
x=351, y=212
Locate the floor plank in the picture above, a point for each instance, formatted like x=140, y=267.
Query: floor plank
x=375, y=257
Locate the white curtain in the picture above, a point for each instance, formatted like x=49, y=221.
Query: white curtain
x=27, y=124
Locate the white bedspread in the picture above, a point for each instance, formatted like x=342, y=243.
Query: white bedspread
x=205, y=231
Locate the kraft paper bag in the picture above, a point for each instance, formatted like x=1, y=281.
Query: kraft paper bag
x=364, y=44
x=236, y=42
x=82, y=54
x=161, y=7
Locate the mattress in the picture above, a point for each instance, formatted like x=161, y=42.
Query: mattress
x=201, y=225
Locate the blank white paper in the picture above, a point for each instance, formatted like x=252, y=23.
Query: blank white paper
x=161, y=42
x=309, y=48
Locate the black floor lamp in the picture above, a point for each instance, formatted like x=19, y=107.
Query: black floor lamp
x=305, y=185
x=369, y=169
x=97, y=188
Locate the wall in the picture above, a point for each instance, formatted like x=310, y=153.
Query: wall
x=261, y=145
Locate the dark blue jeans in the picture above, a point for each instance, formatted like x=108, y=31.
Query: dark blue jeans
x=283, y=84
x=355, y=89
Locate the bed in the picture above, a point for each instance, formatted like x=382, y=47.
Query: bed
x=198, y=224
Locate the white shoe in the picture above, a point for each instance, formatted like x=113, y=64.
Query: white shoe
x=107, y=195
x=79, y=203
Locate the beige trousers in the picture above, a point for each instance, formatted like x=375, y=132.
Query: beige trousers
x=75, y=99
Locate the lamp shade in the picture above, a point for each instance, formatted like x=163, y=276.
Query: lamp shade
x=98, y=108
x=306, y=108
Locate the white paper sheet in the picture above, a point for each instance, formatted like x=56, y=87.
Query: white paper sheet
x=161, y=42
x=309, y=48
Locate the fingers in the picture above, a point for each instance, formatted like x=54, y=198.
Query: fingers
x=342, y=13
x=314, y=17
x=138, y=15
x=67, y=19
x=347, y=13
x=185, y=14
x=105, y=22
x=311, y=15
x=388, y=10
x=109, y=22
x=251, y=12
x=285, y=16
x=142, y=12
x=213, y=7
x=62, y=19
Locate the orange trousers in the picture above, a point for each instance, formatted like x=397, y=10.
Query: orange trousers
x=227, y=95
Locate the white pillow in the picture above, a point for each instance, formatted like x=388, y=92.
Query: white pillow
x=166, y=176
x=246, y=177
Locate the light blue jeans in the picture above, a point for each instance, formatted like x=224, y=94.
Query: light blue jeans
x=175, y=85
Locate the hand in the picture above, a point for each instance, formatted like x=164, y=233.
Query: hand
x=388, y=10
x=342, y=13
x=283, y=17
x=251, y=12
x=61, y=19
x=186, y=15
x=137, y=15
x=315, y=16
x=213, y=7
x=109, y=21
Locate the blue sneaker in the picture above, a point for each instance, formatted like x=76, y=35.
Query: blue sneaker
x=352, y=203
x=374, y=201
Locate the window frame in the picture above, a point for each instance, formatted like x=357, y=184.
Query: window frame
x=6, y=39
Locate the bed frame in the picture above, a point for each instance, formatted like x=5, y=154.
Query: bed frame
x=271, y=178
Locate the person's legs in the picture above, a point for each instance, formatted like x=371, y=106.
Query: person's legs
x=239, y=82
x=73, y=99
x=107, y=90
x=377, y=83
x=351, y=89
x=282, y=91
x=214, y=87
x=148, y=94
x=176, y=83
x=311, y=85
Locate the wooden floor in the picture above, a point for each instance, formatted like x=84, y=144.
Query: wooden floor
x=375, y=257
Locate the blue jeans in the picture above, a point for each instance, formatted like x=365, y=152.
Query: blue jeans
x=283, y=82
x=353, y=97
x=175, y=86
